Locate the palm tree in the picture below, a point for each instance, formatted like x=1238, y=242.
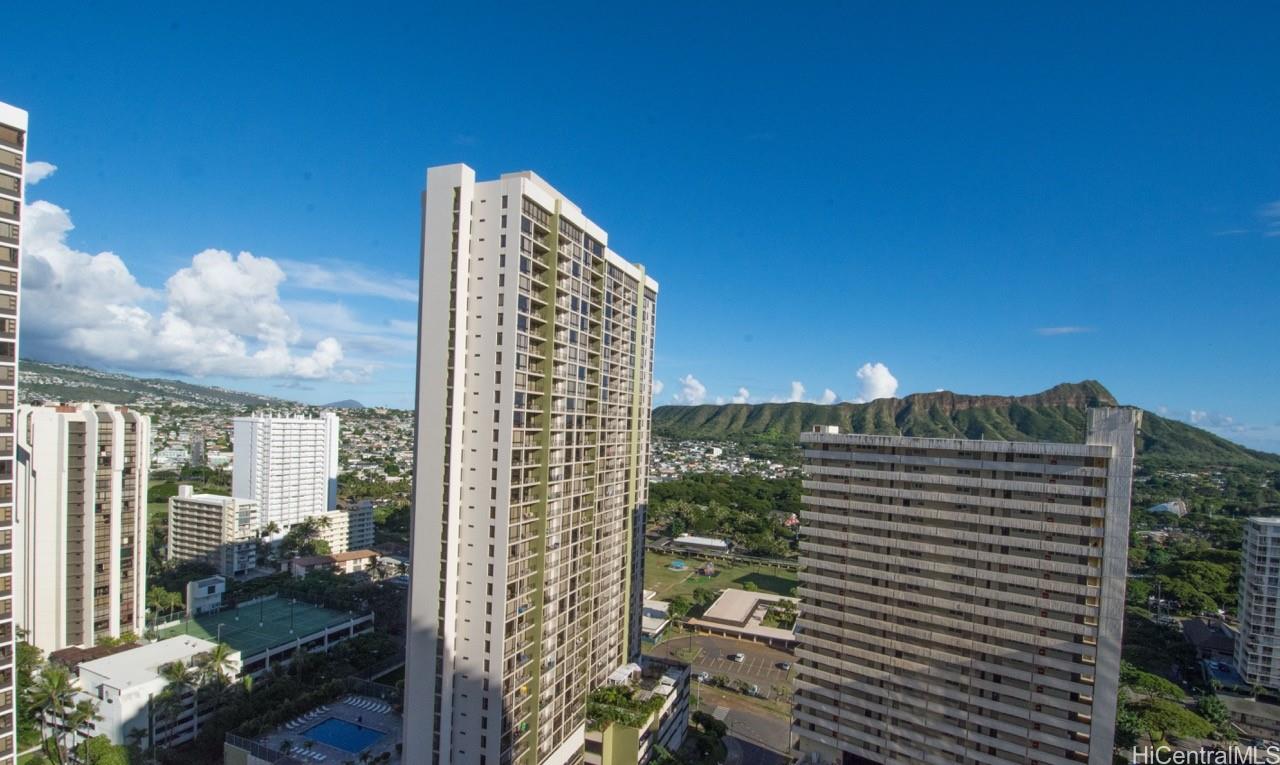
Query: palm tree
x=83, y=713
x=51, y=694
x=285, y=746
x=218, y=665
x=181, y=678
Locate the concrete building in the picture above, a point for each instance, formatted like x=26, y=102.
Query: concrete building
x=628, y=731
x=213, y=529
x=1257, y=650
x=741, y=614
x=288, y=465
x=348, y=529
x=534, y=397
x=349, y=562
x=962, y=601
x=80, y=565
x=126, y=685
x=13, y=151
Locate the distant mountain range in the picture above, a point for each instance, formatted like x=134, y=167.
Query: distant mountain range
x=346, y=403
x=1057, y=414
x=41, y=381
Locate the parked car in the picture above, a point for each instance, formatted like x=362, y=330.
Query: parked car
x=738, y=657
x=753, y=690
x=704, y=677
x=785, y=666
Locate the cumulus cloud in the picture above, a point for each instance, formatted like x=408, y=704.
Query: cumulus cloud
x=1055, y=331
x=828, y=397
x=221, y=315
x=692, y=391
x=797, y=391
x=345, y=280
x=875, y=381
x=34, y=172
x=657, y=388
x=742, y=396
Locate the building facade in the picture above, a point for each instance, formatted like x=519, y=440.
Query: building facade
x=348, y=529
x=962, y=601
x=213, y=529
x=1257, y=649
x=288, y=465
x=80, y=563
x=13, y=152
x=534, y=397
x=125, y=687
x=656, y=714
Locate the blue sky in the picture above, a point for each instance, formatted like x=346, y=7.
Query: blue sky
x=930, y=189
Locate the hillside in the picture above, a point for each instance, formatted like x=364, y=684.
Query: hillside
x=1057, y=414
x=40, y=381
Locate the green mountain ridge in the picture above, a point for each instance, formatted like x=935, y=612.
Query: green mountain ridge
x=45, y=381
x=1057, y=414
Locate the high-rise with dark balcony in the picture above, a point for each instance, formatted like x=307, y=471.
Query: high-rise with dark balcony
x=1257, y=649
x=534, y=394
x=81, y=558
x=962, y=601
x=13, y=152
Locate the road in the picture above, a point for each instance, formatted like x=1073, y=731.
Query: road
x=758, y=729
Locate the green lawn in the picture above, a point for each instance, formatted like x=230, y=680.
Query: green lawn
x=659, y=577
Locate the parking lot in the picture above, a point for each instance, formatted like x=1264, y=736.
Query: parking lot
x=710, y=654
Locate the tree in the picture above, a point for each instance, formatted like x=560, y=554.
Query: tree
x=1212, y=709
x=182, y=678
x=100, y=751
x=83, y=713
x=217, y=666
x=680, y=606
x=51, y=695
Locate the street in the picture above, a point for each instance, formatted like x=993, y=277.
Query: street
x=758, y=727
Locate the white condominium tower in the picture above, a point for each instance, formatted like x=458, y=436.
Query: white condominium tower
x=534, y=394
x=1258, y=646
x=962, y=601
x=288, y=465
x=13, y=143
x=80, y=564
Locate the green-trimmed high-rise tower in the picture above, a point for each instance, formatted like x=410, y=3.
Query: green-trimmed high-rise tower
x=535, y=368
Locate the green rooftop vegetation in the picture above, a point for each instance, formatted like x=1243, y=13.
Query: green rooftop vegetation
x=618, y=704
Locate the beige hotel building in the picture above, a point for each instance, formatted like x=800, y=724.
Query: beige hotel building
x=962, y=601
x=534, y=394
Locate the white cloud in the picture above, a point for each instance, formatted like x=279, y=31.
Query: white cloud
x=34, y=172
x=1271, y=213
x=797, y=391
x=345, y=280
x=692, y=391
x=219, y=316
x=720, y=401
x=828, y=397
x=657, y=388
x=1055, y=331
x=742, y=396
x=875, y=381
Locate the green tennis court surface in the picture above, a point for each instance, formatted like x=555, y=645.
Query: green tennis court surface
x=254, y=628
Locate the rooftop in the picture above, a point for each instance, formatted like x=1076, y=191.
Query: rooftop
x=260, y=626
x=737, y=606
x=142, y=664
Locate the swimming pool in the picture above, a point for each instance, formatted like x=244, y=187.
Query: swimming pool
x=343, y=735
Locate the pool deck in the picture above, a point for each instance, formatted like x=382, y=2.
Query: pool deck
x=389, y=724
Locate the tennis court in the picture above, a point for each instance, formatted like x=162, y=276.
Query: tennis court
x=259, y=626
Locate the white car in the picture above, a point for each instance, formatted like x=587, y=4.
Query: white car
x=738, y=657
x=704, y=677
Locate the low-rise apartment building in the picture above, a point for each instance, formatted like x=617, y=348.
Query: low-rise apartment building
x=640, y=708
x=214, y=529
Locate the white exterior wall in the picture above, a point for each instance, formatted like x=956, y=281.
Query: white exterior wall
x=289, y=465
x=15, y=118
x=1257, y=652
x=50, y=471
x=462, y=529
